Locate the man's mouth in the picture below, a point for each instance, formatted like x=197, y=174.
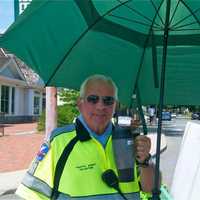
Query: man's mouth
x=99, y=115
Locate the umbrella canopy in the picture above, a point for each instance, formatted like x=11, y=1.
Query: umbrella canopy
x=65, y=41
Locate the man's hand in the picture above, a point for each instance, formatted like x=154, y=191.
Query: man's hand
x=135, y=123
x=142, y=148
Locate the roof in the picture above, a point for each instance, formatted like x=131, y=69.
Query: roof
x=32, y=78
x=3, y=61
x=2, y=53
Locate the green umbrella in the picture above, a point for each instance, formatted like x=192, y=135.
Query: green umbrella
x=148, y=47
x=65, y=41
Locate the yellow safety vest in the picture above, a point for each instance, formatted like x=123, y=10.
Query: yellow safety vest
x=81, y=174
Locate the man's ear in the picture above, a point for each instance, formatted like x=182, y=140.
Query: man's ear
x=115, y=108
x=78, y=103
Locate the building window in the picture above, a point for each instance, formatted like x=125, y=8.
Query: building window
x=43, y=101
x=23, y=4
x=5, y=99
x=36, y=105
x=23, y=7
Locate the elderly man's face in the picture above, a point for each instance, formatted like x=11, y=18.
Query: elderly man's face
x=98, y=106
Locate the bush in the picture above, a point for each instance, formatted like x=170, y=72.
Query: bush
x=66, y=115
x=41, y=122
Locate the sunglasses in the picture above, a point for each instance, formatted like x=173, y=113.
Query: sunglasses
x=107, y=100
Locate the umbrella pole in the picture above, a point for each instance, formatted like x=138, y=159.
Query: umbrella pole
x=141, y=113
x=136, y=100
x=156, y=189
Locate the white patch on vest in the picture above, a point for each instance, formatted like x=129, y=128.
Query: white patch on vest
x=86, y=167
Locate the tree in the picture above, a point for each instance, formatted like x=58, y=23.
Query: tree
x=68, y=96
x=67, y=111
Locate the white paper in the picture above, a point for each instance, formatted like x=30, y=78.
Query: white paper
x=124, y=120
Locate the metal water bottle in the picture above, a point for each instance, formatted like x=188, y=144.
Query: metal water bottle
x=123, y=149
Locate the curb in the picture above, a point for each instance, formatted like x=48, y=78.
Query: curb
x=10, y=181
x=26, y=132
x=11, y=191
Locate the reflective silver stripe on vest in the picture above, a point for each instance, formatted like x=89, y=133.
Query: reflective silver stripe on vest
x=33, y=167
x=130, y=196
x=37, y=185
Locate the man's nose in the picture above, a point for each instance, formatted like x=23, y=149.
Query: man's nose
x=100, y=104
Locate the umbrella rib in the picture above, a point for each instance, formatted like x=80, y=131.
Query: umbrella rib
x=184, y=25
x=66, y=55
x=157, y=12
x=188, y=29
x=140, y=14
x=81, y=36
x=158, y=29
x=183, y=19
x=186, y=17
x=193, y=13
x=144, y=49
x=134, y=21
x=154, y=61
x=33, y=59
x=174, y=12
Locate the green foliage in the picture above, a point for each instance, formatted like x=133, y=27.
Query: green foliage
x=41, y=122
x=66, y=112
x=66, y=115
x=68, y=96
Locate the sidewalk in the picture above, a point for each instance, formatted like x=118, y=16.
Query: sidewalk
x=18, y=147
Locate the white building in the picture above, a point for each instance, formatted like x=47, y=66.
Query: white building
x=23, y=4
x=22, y=91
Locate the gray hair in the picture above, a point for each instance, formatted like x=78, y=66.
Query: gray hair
x=98, y=77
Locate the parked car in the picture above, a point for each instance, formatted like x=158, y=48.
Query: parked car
x=195, y=115
x=166, y=115
x=173, y=115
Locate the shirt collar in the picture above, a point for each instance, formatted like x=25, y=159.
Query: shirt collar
x=92, y=133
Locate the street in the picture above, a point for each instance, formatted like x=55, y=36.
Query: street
x=168, y=158
x=173, y=130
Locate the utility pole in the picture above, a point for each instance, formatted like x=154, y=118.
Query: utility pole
x=51, y=110
x=51, y=92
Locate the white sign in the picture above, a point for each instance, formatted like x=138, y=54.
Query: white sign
x=124, y=120
x=186, y=181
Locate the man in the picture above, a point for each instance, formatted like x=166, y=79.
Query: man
x=71, y=164
x=151, y=111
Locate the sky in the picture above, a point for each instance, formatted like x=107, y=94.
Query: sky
x=6, y=14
